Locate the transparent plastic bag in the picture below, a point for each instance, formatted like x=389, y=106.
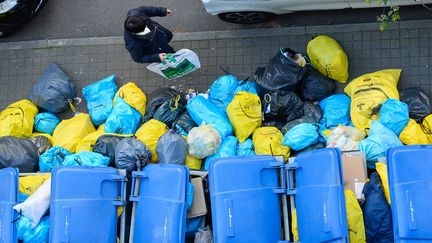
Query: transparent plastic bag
x=204, y=235
x=346, y=138
x=203, y=141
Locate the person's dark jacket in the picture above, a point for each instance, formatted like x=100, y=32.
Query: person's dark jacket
x=146, y=48
x=377, y=212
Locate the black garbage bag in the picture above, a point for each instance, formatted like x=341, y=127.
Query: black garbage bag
x=169, y=111
x=131, y=154
x=53, y=91
x=282, y=73
x=282, y=105
x=313, y=110
x=20, y=153
x=259, y=73
x=308, y=149
x=106, y=145
x=158, y=97
x=185, y=122
x=418, y=101
x=295, y=122
x=42, y=144
x=172, y=149
x=315, y=86
x=377, y=212
x=273, y=123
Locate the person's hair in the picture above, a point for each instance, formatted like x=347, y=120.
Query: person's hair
x=134, y=24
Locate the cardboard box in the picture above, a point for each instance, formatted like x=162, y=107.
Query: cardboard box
x=199, y=207
x=354, y=172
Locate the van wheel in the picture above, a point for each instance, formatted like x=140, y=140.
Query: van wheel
x=245, y=17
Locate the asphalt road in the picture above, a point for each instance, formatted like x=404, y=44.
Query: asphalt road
x=97, y=18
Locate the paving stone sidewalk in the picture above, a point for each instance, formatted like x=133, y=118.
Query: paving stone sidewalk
x=407, y=45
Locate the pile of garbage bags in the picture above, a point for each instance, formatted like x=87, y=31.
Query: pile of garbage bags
x=291, y=107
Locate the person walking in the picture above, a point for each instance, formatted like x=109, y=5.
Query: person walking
x=146, y=40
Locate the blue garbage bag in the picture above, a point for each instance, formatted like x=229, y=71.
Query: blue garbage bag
x=123, y=119
x=377, y=212
x=247, y=86
x=86, y=158
x=99, y=97
x=38, y=234
x=193, y=224
x=336, y=110
x=228, y=148
x=201, y=110
x=246, y=148
x=53, y=91
x=301, y=136
x=52, y=158
x=190, y=195
x=46, y=122
x=376, y=144
x=22, y=197
x=394, y=115
x=222, y=91
x=324, y=133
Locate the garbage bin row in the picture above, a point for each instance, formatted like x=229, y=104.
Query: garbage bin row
x=245, y=195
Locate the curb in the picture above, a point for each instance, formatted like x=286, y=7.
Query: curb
x=212, y=35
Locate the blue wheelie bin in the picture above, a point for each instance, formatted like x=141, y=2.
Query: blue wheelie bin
x=159, y=196
x=84, y=202
x=410, y=181
x=83, y=205
x=245, y=195
x=8, y=199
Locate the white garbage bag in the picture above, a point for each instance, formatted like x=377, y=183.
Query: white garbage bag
x=37, y=205
x=176, y=65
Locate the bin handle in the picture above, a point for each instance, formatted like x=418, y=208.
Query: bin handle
x=278, y=165
x=290, y=190
x=136, y=175
x=122, y=180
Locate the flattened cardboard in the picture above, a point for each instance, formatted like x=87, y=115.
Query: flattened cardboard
x=199, y=207
x=354, y=172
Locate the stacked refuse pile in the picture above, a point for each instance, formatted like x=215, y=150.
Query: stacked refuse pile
x=290, y=108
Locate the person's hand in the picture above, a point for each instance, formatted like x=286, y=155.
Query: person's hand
x=169, y=12
x=162, y=56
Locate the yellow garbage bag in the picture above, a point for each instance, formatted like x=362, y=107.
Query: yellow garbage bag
x=134, y=96
x=294, y=225
x=381, y=168
x=356, y=228
x=329, y=58
x=29, y=184
x=369, y=91
x=193, y=162
x=89, y=141
x=413, y=134
x=268, y=140
x=18, y=119
x=427, y=127
x=245, y=114
x=69, y=133
x=149, y=133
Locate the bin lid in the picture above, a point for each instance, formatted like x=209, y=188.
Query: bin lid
x=8, y=199
x=84, y=204
x=320, y=200
x=244, y=205
x=410, y=181
x=161, y=207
